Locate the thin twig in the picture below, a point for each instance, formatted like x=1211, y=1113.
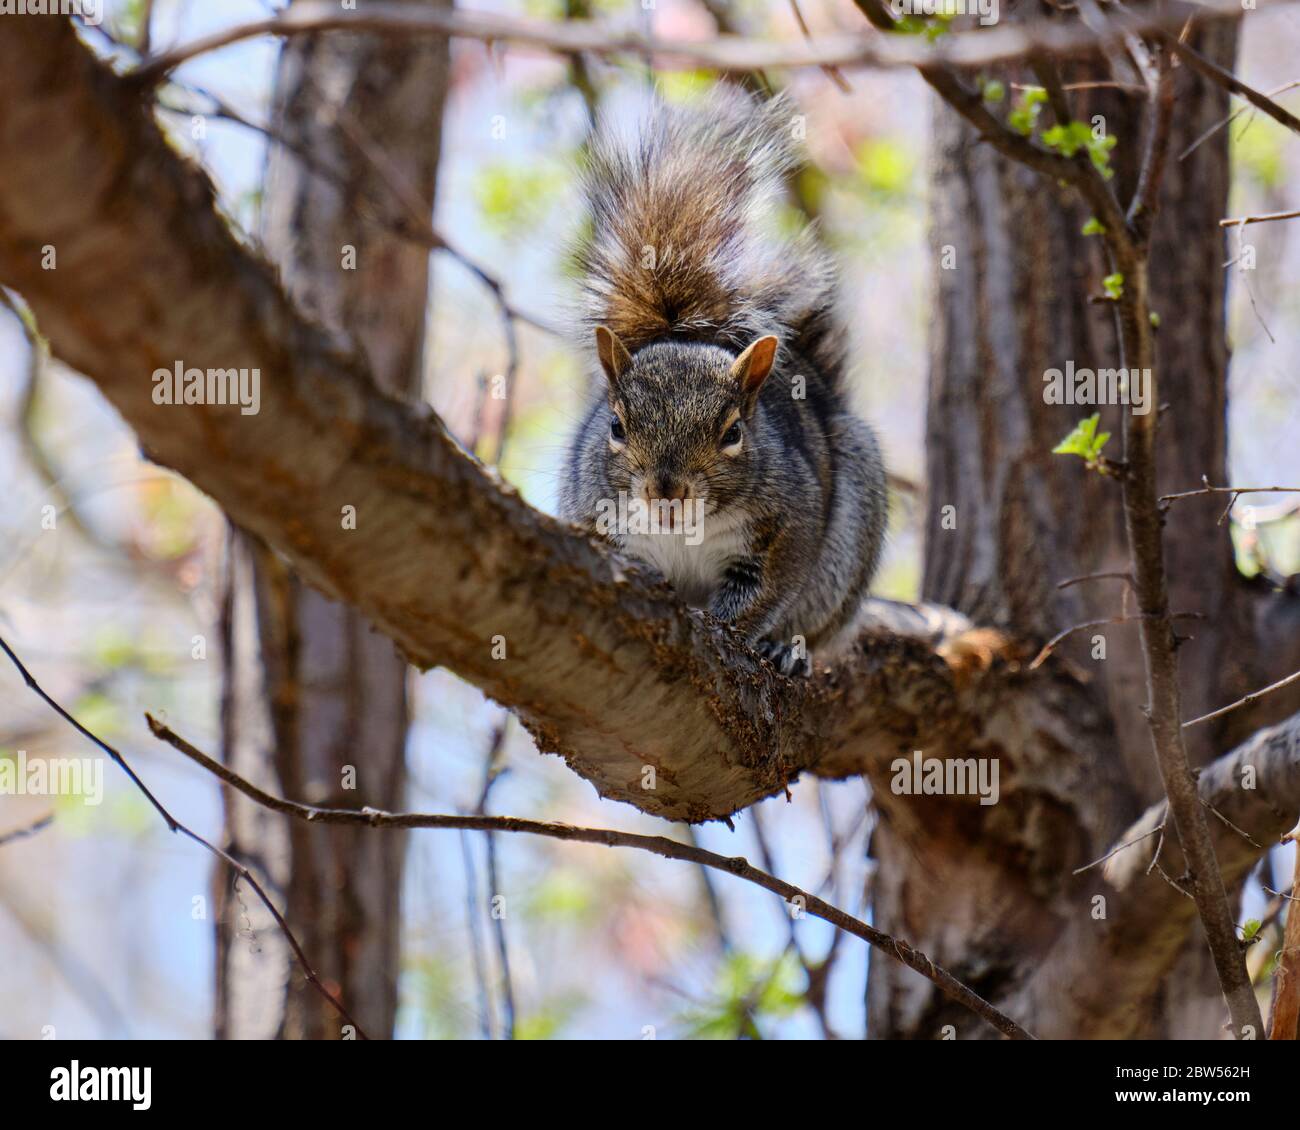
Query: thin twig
x=1119, y=848
x=1159, y=126
x=1229, y=81
x=417, y=230
x=607, y=837
x=725, y=53
x=1209, y=133
x=1144, y=523
x=405, y=194
x=492, y=772
x=145, y=42
x=1229, y=824
x=1101, y=84
x=1108, y=574
x=969, y=103
x=830, y=72
x=1239, y=259
x=815, y=975
x=1050, y=646
x=175, y=825
x=1254, y=696
x=415, y=226
x=37, y=371
x=1265, y=218
x=27, y=830
x=1166, y=499
x=475, y=935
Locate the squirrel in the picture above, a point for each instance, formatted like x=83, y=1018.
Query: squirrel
x=722, y=365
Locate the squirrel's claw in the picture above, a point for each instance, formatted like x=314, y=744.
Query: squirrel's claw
x=786, y=658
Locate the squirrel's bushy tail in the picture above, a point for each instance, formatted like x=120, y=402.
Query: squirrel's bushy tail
x=683, y=239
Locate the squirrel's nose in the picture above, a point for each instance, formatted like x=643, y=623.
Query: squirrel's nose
x=669, y=487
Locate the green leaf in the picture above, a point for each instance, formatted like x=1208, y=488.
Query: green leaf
x=1067, y=139
x=1113, y=285
x=514, y=196
x=1084, y=441
x=1094, y=227
x=1250, y=929
x=993, y=91
x=910, y=25
x=1155, y=319
x=886, y=167
x=1260, y=153
x=748, y=989
x=1025, y=116
x=683, y=86
x=1099, y=150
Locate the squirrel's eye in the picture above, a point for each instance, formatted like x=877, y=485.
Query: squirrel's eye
x=616, y=431
x=732, y=435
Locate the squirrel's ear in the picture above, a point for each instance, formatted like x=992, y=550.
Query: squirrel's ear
x=751, y=368
x=613, y=354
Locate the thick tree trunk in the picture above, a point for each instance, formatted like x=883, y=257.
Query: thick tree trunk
x=315, y=701
x=1013, y=303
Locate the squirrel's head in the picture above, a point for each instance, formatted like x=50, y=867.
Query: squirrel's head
x=681, y=422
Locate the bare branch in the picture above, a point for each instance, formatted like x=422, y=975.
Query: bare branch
x=1126, y=239
x=1239, y=260
x=1209, y=133
x=1267, y=217
x=1254, y=696
x=1051, y=644
x=1147, y=922
x=1108, y=574
x=1159, y=125
x=26, y=830
x=724, y=53
x=1143, y=513
x=175, y=825
x=1284, y=1023
x=584, y=646
x=607, y=837
x=492, y=771
x=1229, y=81
x=831, y=73
x=1167, y=499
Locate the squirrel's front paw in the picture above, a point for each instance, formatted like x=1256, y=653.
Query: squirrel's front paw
x=789, y=659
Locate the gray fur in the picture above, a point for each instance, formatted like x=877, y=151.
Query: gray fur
x=794, y=520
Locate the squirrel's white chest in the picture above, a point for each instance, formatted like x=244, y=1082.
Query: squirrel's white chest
x=695, y=571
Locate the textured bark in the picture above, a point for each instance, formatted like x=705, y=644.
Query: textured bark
x=600, y=659
x=1284, y=1015
x=1015, y=305
x=312, y=692
x=602, y=662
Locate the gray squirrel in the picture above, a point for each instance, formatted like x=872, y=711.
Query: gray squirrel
x=723, y=411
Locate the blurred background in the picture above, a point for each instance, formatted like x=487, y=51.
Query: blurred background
x=104, y=915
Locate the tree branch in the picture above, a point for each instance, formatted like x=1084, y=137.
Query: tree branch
x=607, y=837
x=1267, y=217
x=1145, y=922
x=174, y=825
x=724, y=53
x=1245, y=700
x=1127, y=239
x=1284, y=1021
x=22, y=833
x=1143, y=513
x=1229, y=81
x=374, y=503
